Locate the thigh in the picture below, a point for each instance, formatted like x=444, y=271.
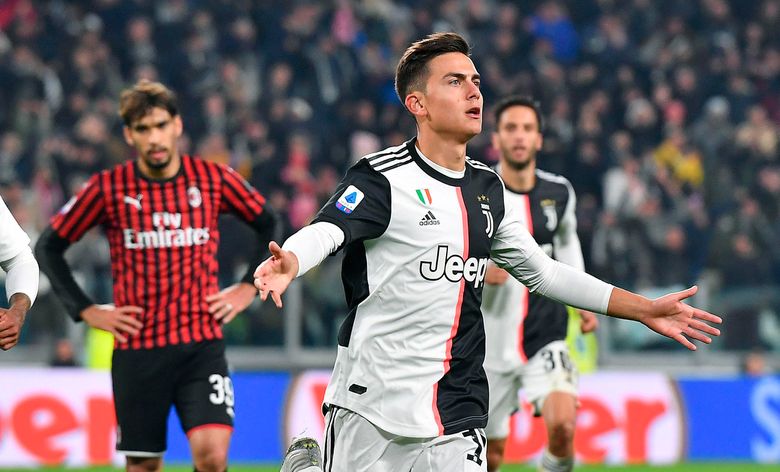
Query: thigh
x=143, y=394
x=503, y=402
x=354, y=444
x=460, y=452
x=204, y=394
x=549, y=370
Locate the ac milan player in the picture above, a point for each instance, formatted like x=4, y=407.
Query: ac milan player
x=160, y=213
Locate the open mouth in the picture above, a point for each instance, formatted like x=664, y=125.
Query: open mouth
x=475, y=112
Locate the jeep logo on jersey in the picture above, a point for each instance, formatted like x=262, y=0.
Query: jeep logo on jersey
x=350, y=199
x=454, y=268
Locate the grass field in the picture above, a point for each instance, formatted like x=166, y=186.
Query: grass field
x=699, y=467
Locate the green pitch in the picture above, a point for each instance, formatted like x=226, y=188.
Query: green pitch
x=700, y=467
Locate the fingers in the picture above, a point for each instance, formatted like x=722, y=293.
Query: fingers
x=682, y=340
x=701, y=326
x=697, y=335
x=706, y=316
x=118, y=335
x=277, y=299
x=276, y=251
x=130, y=309
x=128, y=319
x=688, y=292
x=222, y=311
x=214, y=297
x=230, y=315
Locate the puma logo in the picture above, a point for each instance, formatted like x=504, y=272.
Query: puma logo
x=136, y=202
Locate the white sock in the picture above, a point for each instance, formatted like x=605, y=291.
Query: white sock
x=551, y=463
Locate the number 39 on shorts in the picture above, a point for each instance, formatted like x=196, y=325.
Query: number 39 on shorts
x=223, y=391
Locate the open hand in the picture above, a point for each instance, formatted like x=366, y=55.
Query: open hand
x=671, y=317
x=274, y=275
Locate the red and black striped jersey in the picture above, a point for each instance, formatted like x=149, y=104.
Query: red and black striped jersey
x=163, y=237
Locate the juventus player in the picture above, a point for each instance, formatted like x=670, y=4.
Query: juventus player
x=21, y=283
x=526, y=332
x=418, y=223
x=160, y=215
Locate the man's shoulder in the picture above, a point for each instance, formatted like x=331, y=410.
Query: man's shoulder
x=386, y=159
x=552, y=178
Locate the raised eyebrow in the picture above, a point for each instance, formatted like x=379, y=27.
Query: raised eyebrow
x=461, y=76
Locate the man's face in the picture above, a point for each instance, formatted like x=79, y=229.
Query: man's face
x=154, y=136
x=517, y=137
x=452, y=100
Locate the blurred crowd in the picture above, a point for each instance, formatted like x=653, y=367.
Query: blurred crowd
x=663, y=114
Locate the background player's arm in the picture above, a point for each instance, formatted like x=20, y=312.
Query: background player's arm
x=515, y=250
x=50, y=251
x=244, y=201
x=81, y=213
x=567, y=247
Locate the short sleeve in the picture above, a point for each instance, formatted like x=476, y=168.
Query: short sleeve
x=239, y=197
x=361, y=204
x=82, y=212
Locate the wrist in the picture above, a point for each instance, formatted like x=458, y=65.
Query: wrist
x=20, y=301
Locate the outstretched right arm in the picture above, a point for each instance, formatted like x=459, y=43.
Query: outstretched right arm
x=359, y=210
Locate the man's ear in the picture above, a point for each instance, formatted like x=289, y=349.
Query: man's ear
x=179, y=125
x=126, y=134
x=415, y=103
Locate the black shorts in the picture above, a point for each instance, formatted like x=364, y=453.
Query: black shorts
x=192, y=377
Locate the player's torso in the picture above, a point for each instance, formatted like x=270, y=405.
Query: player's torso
x=171, y=214
x=420, y=324
x=518, y=322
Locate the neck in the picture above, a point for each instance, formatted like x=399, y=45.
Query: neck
x=445, y=151
x=163, y=173
x=519, y=180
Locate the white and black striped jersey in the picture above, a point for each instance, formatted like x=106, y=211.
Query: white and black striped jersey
x=518, y=323
x=417, y=244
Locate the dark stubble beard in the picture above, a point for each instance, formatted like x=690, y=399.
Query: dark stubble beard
x=520, y=165
x=158, y=165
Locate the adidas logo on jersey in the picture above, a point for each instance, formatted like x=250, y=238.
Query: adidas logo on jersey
x=429, y=219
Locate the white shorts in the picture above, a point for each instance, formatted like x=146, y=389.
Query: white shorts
x=354, y=444
x=549, y=370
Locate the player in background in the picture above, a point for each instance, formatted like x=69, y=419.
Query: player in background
x=21, y=282
x=159, y=212
x=418, y=223
x=526, y=332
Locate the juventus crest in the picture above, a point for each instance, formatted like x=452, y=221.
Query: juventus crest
x=485, y=205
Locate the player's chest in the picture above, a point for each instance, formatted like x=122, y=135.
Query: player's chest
x=541, y=213
x=427, y=213
x=169, y=205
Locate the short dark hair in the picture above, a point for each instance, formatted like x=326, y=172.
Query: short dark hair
x=412, y=70
x=136, y=101
x=520, y=101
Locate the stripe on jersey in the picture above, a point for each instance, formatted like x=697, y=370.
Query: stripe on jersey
x=458, y=307
x=529, y=223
